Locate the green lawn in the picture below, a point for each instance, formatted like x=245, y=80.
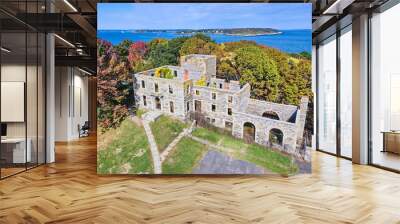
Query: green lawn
x=270, y=159
x=140, y=112
x=184, y=157
x=165, y=129
x=124, y=150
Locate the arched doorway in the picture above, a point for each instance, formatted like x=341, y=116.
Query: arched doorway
x=276, y=137
x=249, y=132
x=271, y=115
x=158, y=103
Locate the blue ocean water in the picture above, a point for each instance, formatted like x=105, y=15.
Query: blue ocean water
x=292, y=41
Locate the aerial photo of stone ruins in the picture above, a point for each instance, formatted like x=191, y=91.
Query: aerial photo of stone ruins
x=219, y=89
x=214, y=126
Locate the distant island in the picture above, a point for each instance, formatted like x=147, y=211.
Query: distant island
x=228, y=31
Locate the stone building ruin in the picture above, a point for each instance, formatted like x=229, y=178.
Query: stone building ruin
x=224, y=104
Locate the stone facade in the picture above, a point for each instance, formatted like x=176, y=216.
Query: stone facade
x=224, y=104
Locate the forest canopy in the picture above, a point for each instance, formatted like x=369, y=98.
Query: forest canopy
x=272, y=74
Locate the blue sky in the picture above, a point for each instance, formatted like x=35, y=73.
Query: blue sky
x=125, y=16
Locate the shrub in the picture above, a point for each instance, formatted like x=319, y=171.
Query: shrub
x=202, y=81
x=164, y=73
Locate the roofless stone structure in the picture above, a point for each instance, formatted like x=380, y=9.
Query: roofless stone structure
x=224, y=104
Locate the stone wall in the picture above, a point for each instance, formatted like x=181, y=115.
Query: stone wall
x=263, y=126
x=234, y=85
x=258, y=107
x=200, y=64
x=220, y=115
x=241, y=99
x=301, y=119
x=177, y=97
x=219, y=83
x=232, y=102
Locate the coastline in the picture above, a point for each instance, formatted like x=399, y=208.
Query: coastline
x=233, y=34
x=251, y=35
x=287, y=40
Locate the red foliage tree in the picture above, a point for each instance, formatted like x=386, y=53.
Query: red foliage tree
x=114, y=86
x=137, y=52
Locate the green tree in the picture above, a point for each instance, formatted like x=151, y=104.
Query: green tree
x=306, y=55
x=163, y=52
x=203, y=37
x=122, y=49
x=260, y=71
x=159, y=54
x=226, y=70
x=196, y=45
x=232, y=46
x=174, y=47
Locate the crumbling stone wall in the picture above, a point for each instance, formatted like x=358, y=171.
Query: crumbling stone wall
x=221, y=102
x=232, y=102
x=258, y=107
x=177, y=97
x=263, y=126
x=301, y=119
x=200, y=64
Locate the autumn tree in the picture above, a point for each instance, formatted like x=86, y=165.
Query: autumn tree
x=195, y=45
x=136, y=54
x=260, y=71
x=114, y=95
x=273, y=75
x=122, y=49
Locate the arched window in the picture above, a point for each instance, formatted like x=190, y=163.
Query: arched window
x=271, y=115
x=276, y=137
x=249, y=132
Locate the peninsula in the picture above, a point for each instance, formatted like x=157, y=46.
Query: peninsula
x=224, y=31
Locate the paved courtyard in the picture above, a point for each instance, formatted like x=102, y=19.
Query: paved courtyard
x=215, y=162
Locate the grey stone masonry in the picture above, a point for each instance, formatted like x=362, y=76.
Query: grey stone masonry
x=197, y=65
x=301, y=119
x=224, y=104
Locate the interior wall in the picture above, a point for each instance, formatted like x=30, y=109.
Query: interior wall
x=61, y=103
x=71, y=102
x=16, y=73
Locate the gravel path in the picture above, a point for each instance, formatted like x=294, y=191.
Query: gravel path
x=172, y=145
x=147, y=118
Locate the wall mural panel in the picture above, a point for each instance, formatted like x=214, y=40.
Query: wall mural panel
x=204, y=88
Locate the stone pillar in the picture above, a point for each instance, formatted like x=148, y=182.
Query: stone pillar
x=301, y=119
x=237, y=128
x=360, y=90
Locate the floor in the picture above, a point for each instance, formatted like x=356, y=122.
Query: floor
x=70, y=191
x=386, y=159
x=10, y=171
